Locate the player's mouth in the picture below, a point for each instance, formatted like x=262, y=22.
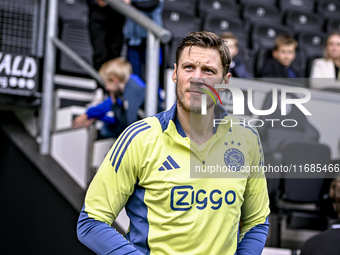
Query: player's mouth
x=195, y=92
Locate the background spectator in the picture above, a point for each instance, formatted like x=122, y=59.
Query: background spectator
x=106, y=31
x=136, y=35
x=283, y=55
x=237, y=68
x=327, y=67
x=126, y=97
x=327, y=242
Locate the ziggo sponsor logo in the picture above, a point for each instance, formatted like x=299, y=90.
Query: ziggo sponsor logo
x=184, y=197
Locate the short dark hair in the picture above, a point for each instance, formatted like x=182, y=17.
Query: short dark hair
x=208, y=40
x=284, y=40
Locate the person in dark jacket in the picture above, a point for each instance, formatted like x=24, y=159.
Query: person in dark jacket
x=123, y=106
x=237, y=68
x=136, y=35
x=327, y=242
x=106, y=31
x=283, y=55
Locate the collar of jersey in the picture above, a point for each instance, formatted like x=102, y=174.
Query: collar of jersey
x=219, y=111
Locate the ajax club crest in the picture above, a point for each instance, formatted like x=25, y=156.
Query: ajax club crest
x=234, y=159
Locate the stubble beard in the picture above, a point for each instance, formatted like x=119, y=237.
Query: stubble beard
x=189, y=108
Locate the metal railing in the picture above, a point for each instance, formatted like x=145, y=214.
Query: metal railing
x=156, y=34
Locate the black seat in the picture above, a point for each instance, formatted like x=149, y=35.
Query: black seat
x=261, y=13
x=226, y=7
x=73, y=10
x=179, y=24
x=292, y=147
x=312, y=45
x=261, y=59
x=248, y=58
x=301, y=5
x=261, y=2
x=185, y=6
x=329, y=9
x=333, y=24
x=219, y=24
x=75, y=35
x=291, y=190
x=298, y=20
x=272, y=137
x=263, y=35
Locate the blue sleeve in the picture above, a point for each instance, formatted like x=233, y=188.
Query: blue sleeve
x=100, y=109
x=99, y=112
x=254, y=240
x=102, y=238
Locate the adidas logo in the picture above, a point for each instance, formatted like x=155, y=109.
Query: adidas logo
x=169, y=164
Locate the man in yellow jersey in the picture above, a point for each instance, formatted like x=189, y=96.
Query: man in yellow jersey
x=150, y=168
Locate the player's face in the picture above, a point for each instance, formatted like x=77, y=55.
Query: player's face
x=285, y=54
x=112, y=85
x=196, y=66
x=333, y=47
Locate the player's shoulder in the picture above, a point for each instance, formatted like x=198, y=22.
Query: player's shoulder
x=143, y=130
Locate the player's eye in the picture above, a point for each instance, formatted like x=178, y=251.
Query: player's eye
x=209, y=71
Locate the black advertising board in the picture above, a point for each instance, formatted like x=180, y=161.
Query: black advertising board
x=18, y=73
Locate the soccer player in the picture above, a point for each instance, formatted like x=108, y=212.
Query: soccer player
x=148, y=170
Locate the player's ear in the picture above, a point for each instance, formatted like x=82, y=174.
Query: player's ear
x=226, y=78
x=174, y=74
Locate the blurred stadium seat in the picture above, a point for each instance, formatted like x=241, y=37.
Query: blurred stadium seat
x=186, y=6
x=73, y=10
x=273, y=137
x=312, y=45
x=219, y=24
x=261, y=2
x=333, y=24
x=263, y=35
x=299, y=201
x=179, y=24
x=261, y=59
x=328, y=9
x=75, y=35
x=301, y=5
x=298, y=20
x=227, y=7
x=256, y=13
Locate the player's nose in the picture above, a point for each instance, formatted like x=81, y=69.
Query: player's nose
x=198, y=73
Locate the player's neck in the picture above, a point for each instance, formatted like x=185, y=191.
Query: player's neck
x=198, y=128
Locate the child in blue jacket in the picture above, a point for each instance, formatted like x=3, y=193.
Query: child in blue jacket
x=126, y=98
